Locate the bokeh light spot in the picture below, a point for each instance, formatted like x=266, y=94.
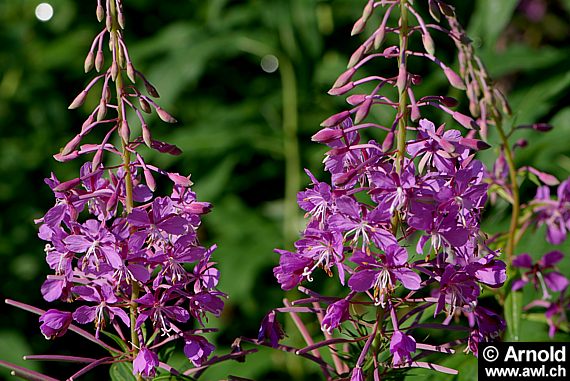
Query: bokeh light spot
x=269, y=63
x=44, y=12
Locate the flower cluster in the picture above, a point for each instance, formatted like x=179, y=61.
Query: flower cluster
x=127, y=259
x=398, y=226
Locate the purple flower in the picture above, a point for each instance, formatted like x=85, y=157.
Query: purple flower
x=145, y=363
x=96, y=242
x=154, y=306
x=393, y=189
x=291, y=269
x=197, y=349
x=271, y=330
x=325, y=248
x=555, y=214
x=382, y=275
x=458, y=289
x=316, y=201
x=539, y=273
x=55, y=323
x=357, y=374
x=401, y=347
x=159, y=220
x=336, y=313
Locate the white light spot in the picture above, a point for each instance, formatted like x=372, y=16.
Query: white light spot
x=44, y=12
x=269, y=63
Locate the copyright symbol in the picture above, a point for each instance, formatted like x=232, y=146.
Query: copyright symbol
x=490, y=353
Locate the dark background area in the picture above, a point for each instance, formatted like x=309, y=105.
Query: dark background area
x=204, y=58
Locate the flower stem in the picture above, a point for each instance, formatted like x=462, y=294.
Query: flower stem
x=402, y=86
x=126, y=155
x=511, y=241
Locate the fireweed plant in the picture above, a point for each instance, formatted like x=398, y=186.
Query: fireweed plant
x=399, y=224
x=127, y=263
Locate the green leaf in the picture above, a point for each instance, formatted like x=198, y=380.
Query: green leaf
x=513, y=309
x=117, y=340
x=490, y=19
x=121, y=371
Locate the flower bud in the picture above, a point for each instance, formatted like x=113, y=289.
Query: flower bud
x=109, y=23
x=464, y=120
x=131, y=72
x=335, y=119
x=99, y=60
x=434, y=11
x=345, y=177
x=55, y=323
x=114, y=71
x=78, y=101
x=100, y=13
x=178, y=179
x=67, y=185
x=199, y=208
x=356, y=99
x=102, y=111
x=448, y=101
x=149, y=179
x=145, y=106
x=151, y=90
x=356, y=56
x=388, y=142
x=474, y=144
x=521, y=143
x=327, y=135
x=446, y=9
x=344, y=78
x=454, y=79
x=358, y=26
x=121, y=19
x=166, y=117
x=368, y=9
x=89, y=61
x=341, y=90
x=71, y=145
x=428, y=43
x=416, y=79
x=147, y=138
x=125, y=131
x=363, y=110
x=379, y=37
x=540, y=127
x=64, y=158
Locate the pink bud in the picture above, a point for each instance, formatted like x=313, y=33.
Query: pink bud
x=379, y=37
x=86, y=126
x=109, y=23
x=199, y=208
x=99, y=60
x=541, y=127
x=327, y=135
x=341, y=90
x=448, y=101
x=368, y=9
x=131, y=72
x=114, y=71
x=102, y=111
x=464, y=120
x=356, y=56
x=65, y=186
x=96, y=162
x=454, y=79
x=521, y=143
x=428, y=43
x=402, y=80
x=89, y=61
x=335, y=119
x=121, y=19
x=125, y=131
x=71, y=145
x=149, y=179
x=78, y=101
x=147, y=138
x=356, y=99
x=344, y=78
x=363, y=110
x=100, y=13
x=358, y=26
x=474, y=144
x=388, y=142
x=64, y=158
x=166, y=117
x=145, y=106
x=151, y=90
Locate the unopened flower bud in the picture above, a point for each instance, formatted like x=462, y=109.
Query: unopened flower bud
x=166, y=117
x=327, y=135
x=358, y=26
x=368, y=9
x=453, y=78
x=145, y=106
x=89, y=61
x=344, y=78
x=125, y=131
x=448, y=101
x=345, y=177
x=434, y=10
x=356, y=56
x=198, y=208
x=79, y=100
x=99, y=60
x=114, y=71
x=67, y=185
x=121, y=19
x=428, y=43
x=102, y=111
x=151, y=90
x=71, y=145
x=541, y=127
x=474, y=144
x=147, y=137
x=521, y=143
x=341, y=90
x=335, y=119
x=416, y=79
x=363, y=110
x=109, y=23
x=100, y=13
x=131, y=72
x=446, y=9
x=149, y=179
x=379, y=37
x=388, y=142
x=356, y=99
x=464, y=120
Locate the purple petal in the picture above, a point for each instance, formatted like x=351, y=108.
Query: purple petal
x=523, y=260
x=77, y=243
x=84, y=314
x=173, y=225
x=362, y=280
x=409, y=278
x=551, y=258
x=555, y=281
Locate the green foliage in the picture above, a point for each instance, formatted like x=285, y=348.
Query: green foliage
x=204, y=58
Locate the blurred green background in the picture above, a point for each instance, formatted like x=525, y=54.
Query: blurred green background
x=245, y=132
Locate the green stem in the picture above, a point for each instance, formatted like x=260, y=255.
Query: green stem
x=126, y=155
x=290, y=148
x=511, y=240
x=402, y=86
